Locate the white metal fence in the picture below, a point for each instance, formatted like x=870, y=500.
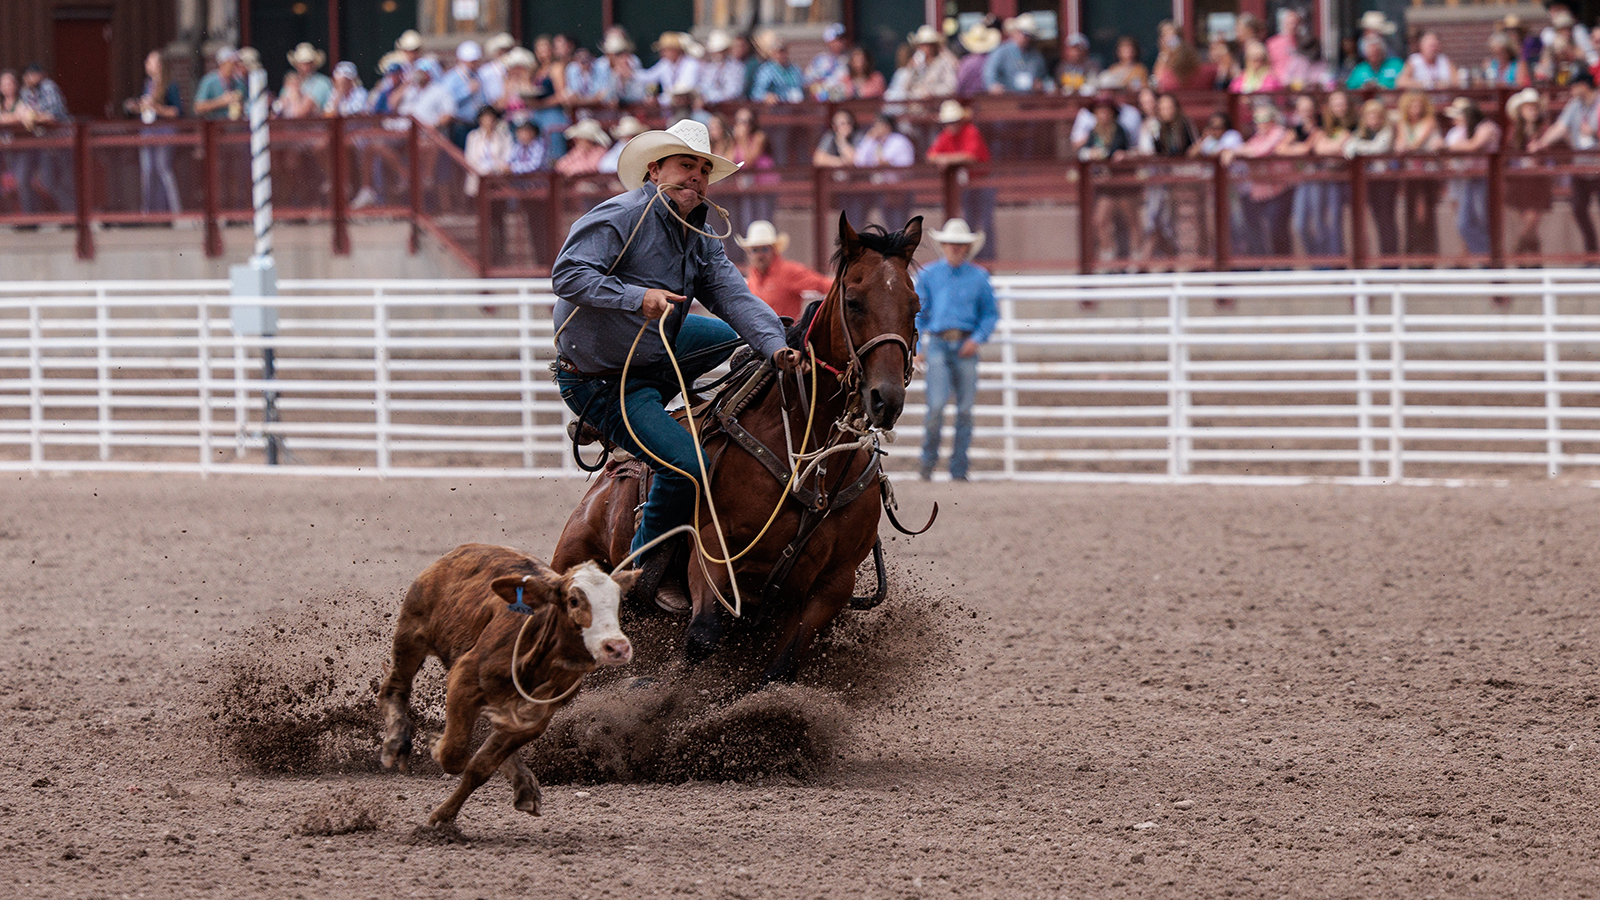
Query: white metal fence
x=1347, y=376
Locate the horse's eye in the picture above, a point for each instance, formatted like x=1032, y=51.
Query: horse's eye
x=853, y=305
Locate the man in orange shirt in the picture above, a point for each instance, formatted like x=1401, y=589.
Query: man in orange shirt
x=782, y=283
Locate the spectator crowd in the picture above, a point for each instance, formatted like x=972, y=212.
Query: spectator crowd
x=516, y=111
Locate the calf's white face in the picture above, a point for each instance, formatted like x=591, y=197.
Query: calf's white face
x=603, y=637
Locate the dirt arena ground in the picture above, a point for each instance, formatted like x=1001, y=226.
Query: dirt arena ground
x=1074, y=691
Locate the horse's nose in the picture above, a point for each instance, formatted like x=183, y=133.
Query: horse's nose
x=884, y=406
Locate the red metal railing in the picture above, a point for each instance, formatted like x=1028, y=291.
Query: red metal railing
x=1044, y=209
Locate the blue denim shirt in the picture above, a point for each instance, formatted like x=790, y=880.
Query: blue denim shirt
x=959, y=298
x=604, y=308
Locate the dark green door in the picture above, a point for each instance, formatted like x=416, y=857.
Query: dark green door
x=646, y=19
x=276, y=26
x=1106, y=20
x=578, y=19
x=368, y=30
x=882, y=27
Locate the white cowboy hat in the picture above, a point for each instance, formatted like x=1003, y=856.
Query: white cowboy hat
x=500, y=43
x=1526, y=95
x=687, y=137
x=980, y=39
x=957, y=231
x=951, y=111
x=927, y=34
x=628, y=127
x=305, y=52
x=409, y=40
x=469, y=51
x=718, y=41
x=1024, y=24
x=763, y=234
x=588, y=130
x=1375, y=20
x=671, y=40
x=519, y=58
x=616, y=43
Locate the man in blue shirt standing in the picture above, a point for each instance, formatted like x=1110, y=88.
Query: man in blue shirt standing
x=958, y=314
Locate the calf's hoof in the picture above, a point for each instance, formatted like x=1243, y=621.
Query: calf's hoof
x=397, y=752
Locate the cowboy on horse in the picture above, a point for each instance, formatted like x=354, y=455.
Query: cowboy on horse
x=642, y=256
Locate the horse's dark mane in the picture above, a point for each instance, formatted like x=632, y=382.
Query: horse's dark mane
x=796, y=335
x=881, y=241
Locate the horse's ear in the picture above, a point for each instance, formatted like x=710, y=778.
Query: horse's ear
x=913, y=233
x=847, y=236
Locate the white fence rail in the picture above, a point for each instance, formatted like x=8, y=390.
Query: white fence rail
x=1346, y=376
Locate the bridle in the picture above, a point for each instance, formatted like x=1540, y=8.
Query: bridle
x=850, y=378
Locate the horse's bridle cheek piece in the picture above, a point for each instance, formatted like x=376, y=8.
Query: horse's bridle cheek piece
x=851, y=376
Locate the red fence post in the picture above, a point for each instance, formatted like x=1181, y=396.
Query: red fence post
x=211, y=187
x=81, y=171
x=485, y=241
x=338, y=200
x=1085, y=220
x=950, y=180
x=819, y=218
x=1497, y=218
x=554, y=237
x=1358, y=213
x=414, y=157
x=1221, y=220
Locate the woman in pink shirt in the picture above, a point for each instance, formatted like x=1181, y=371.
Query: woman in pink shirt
x=1257, y=76
x=1283, y=47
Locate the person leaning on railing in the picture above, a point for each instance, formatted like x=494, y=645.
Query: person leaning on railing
x=1338, y=125
x=1377, y=68
x=161, y=100
x=1577, y=125
x=1529, y=192
x=1264, y=199
x=1505, y=67
x=1472, y=133
x=1416, y=134
x=1374, y=136
x=1016, y=66
x=960, y=143
x=1172, y=135
x=1428, y=68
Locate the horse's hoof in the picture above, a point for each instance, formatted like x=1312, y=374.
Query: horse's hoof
x=705, y=635
x=527, y=801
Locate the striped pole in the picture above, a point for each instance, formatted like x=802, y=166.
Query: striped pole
x=260, y=164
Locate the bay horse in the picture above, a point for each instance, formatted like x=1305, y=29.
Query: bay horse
x=801, y=571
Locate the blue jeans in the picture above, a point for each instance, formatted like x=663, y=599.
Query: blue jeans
x=948, y=370
x=1472, y=218
x=673, y=497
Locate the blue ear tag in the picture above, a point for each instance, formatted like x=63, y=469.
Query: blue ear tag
x=519, y=606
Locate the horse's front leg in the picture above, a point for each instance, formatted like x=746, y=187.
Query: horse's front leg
x=829, y=595
x=706, y=627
